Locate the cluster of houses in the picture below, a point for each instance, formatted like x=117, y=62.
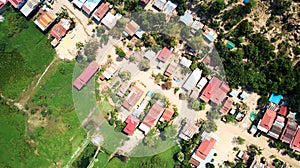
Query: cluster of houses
x=278, y=123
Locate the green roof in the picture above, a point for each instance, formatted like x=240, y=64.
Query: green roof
x=230, y=45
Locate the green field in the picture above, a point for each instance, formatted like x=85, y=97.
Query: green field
x=158, y=161
x=24, y=55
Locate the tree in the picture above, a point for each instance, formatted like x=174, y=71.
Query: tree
x=240, y=140
x=209, y=126
x=182, y=96
x=100, y=30
x=132, y=58
x=79, y=45
x=124, y=75
x=144, y=65
x=120, y=52
x=196, y=105
x=91, y=47
x=104, y=38
x=209, y=165
x=180, y=156
x=167, y=85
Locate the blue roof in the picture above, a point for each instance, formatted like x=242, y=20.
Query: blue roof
x=149, y=94
x=187, y=19
x=246, y=1
x=275, y=98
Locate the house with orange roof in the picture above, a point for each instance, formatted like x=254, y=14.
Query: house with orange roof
x=151, y=118
x=101, y=11
x=266, y=122
x=204, y=153
x=167, y=115
x=45, y=19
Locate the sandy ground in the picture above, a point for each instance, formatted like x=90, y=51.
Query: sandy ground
x=67, y=47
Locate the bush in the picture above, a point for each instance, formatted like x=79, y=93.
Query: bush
x=144, y=65
x=120, y=52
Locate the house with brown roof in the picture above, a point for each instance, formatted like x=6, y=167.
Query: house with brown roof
x=167, y=115
x=283, y=111
x=215, y=91
x=45, y=19
x=170, y=69
x=295, y=145
x=266, y=122
x=59, y=30
x=204, y=152
x=188, y=131
x=164, y=55
x=101, y=11
x=131, y=28
x=289, y=131
x=86, y=75
x=133, y=97
x=227, y=106
x=17, y=3
x=151, y=118
x=277, y=127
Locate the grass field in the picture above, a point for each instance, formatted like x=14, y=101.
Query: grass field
x=31, y=49
x=158, y=161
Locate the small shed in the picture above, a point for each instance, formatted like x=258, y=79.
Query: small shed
x=230, y=45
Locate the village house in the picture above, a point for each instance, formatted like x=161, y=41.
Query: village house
x=159, y=4
x=227, y=106
x=209, y=34
x=295, y=145
x=197, y=25
x=215, y=91
x=79, y=3
x=283, y=111
x=169, y=8
x=133, y=97
x=17, y=3
x=233, y=93
x=185, y=62
x=167, y=115
x=59, y=30
x=289, y=131
x=187, y=19
x=151, y=118
x=101, y=11
x=109, y=20
x=266, y=122
x=131, y=123
x=45, y=19
x=109, y=72
x=142, y=106
x=150, y=55
x=204, y=153
x=145, y=2
x=188, y=131
x=277, y=127
x=192, y=80
x=201, y=84
x=3, y=4
x=29, y=7
x=86, y=75
x=170, y=69
x=90, y=5
x=131, y=28
x=275, y=98
x=164, y=55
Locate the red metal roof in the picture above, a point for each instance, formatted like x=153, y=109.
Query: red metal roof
x=296, y=141
x=153, y=115
x=194, y=162
x=86, y=75
x=145, y=1
x=102, y=10
x=132, y=123
x=268, y=119
x=283, y=110
x=215, y=91
x=205, y=147
x=167, y=115
x=164, y=54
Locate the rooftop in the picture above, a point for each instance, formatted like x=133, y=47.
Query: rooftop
x=167, y=115
x=151, y=118
x=215, y=91
x=188, y=131
x=79, y=3
x=86, y=75
x=90, y=5
x=227, y=106
x=109, y=20
x=29, y=6
x=185, y=62
x=275, y=98
x=149, y=54
x=192, y=80
x=17, y=3
x=266, y=122
x=132, y=123
x=197, y=25
x=164, y=54
x=45, y=19
x=169, y=7
x=283, y=111
x=187, y=19
x=131, y=28
x=296, y=141
x=101, y=11
x=133, y=97
x=159, y=4
x=60, y=29
x=289, y=131
x=170, y=69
